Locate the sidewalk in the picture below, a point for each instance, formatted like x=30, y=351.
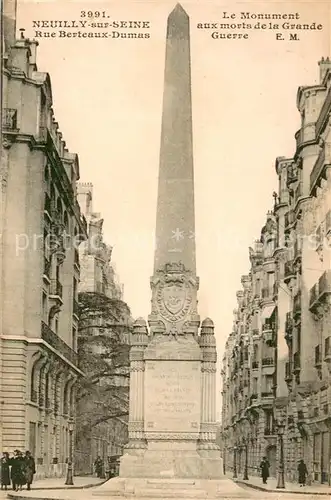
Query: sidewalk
x=256, y=483
x=57, y=483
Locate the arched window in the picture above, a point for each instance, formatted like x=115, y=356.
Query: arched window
x=33, y=391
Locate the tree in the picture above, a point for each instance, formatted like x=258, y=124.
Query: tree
x=103, y=349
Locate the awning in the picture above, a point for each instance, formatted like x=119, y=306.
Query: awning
x=267, y=312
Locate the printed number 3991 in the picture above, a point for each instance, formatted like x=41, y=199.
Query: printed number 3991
x=90, y=13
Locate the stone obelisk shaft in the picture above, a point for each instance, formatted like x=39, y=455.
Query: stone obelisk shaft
x=175, y=225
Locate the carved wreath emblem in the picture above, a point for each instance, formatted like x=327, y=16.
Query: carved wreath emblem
x=173, y=298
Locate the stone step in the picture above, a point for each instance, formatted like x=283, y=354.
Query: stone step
x=161, y=493
x=177, y=485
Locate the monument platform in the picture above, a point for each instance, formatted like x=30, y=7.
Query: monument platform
x=133, y=488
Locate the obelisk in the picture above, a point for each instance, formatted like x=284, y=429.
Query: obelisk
x=175, y=224
x=172, y=414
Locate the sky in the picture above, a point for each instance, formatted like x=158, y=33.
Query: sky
x=107, y=97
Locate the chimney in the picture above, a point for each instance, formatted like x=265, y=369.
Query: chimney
x=325, y=65
x=9, y=23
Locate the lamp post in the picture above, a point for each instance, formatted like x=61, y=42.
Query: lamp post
x=245, y=477
x=69, y=479
x=280, y=478
x=235, y=462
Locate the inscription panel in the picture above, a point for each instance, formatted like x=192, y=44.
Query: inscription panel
x=172, y=396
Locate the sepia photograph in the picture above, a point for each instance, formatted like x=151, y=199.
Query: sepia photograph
x=165, y=249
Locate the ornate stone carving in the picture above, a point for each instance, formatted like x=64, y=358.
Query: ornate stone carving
x=137, y=366
x=177, y=436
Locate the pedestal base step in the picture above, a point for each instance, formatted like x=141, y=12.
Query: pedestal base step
x=130, y=488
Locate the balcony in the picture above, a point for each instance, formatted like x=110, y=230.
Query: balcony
x=297, y=305
x=56, y=288
x=268, y=361
x=58, y=344
x=270, y=431
x=289, y=271
x=289, y=219
x=268, y=334
x=9, y=119
x=319, y=291
x=319, y=171
x=324, y=113
x=288, y=371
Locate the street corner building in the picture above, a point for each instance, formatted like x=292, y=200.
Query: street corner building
x=277, y=362
x=41, y=228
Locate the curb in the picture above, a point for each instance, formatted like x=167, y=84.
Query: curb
x=54, y=488
x=281, y=490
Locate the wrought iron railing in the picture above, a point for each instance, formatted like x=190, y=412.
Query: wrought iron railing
x=58, y=344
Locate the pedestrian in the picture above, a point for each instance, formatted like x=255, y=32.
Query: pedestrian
x=98, y=466
x=264, y=466
x=30, y=469
x=303, y=473
x=4, y=465
x=17, y=470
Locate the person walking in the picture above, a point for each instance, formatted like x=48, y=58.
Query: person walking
x=98, y=466
x=264, y=466
x=4, y=466
x=17, y=470
x=302, y=472
x=30, y=469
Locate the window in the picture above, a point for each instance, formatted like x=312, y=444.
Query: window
x=57, y=325
x=74, y=339
x=44, y=307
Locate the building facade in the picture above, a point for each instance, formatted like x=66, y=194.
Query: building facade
x=108, y=437
x=276, y=366
x=41, y=228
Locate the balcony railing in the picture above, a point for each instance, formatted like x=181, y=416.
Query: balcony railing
x=58, y=344
x=270, y=432
x=9, y=118
x=267, y=393
x=56, y=288
x=323, y=116
x=268, y=361
x=320, y=290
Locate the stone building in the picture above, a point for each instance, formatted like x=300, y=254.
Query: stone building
x=276, y=366
x=108, y=437
x=41, y=227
